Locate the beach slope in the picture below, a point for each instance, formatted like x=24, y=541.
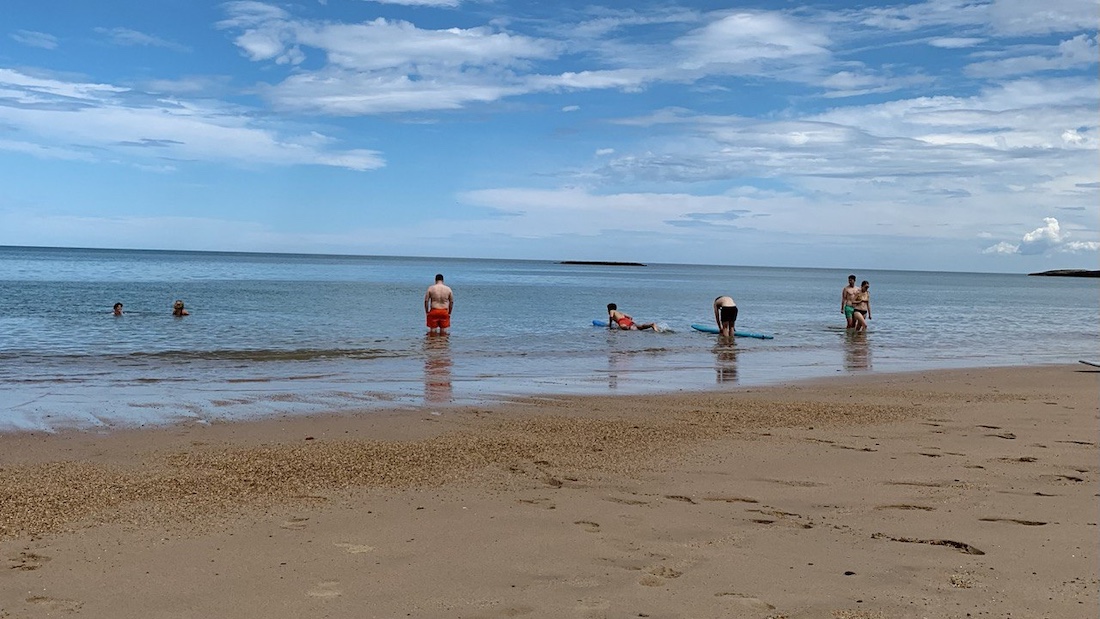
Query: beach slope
x=937, y=494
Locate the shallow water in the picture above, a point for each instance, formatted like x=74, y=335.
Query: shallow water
x=298, y=334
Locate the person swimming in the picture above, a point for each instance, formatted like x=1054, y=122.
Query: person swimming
x=178, y=309
x=619, y=320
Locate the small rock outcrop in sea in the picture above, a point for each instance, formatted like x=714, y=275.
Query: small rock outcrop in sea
x=603, y=263
x=1069, y=273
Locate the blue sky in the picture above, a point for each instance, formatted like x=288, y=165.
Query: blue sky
x=944, y=135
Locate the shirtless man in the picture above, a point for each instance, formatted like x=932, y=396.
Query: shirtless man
x=619, y=320
x=725, y=315
x=439, y=300
x=848, y=297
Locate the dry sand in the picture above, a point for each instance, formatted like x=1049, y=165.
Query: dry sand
x=963, y=493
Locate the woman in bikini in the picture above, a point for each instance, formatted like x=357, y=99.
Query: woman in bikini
x=862, y=306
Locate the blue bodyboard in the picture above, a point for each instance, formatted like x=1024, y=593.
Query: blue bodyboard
x=714, y=329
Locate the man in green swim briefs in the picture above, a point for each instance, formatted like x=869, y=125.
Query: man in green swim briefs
x=848, y=298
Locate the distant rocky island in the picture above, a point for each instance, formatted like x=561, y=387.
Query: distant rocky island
x=603, y=263
x=1069, y=273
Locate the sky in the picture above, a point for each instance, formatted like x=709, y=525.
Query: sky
x=949, y=135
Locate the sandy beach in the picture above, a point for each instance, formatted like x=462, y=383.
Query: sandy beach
x=959, y=493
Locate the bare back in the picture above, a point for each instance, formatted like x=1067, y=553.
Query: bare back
x=439, y=296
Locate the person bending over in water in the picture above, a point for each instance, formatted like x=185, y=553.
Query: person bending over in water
x=177, y=309
x=725, y=315
x=619, y=320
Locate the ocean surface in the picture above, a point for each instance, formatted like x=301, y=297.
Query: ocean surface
x=276, y=334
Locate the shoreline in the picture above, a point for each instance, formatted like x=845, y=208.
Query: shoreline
x=144, y=404
x=751, y=502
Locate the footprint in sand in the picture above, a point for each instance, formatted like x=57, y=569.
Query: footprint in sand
x=730, y=499
x=588, y=525
x=906, y=506
x=54, y=604
x=325, y=589
x=28, y=561
x=794, y=482
x=615, y=499
x=294, y=524
x=745, y=601
x=1026, y=523
x=542, y=502
x=355, y=549
x=657, y=575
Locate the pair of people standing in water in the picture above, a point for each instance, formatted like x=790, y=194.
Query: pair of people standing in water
x=855, y=304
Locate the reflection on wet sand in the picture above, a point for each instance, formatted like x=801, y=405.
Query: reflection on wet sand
x=725, y=360
x=437, y=369
x=857, y=352
x=616, y=361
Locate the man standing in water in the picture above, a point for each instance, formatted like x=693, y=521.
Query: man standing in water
x=725, y=315
x=848, y=298
x=439, y=300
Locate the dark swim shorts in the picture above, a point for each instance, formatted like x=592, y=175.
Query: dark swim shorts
x=727, y=314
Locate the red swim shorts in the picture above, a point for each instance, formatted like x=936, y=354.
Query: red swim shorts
x=439, y=318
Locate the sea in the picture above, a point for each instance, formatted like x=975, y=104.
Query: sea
x=294, y=334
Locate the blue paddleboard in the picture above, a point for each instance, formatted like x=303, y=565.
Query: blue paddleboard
x=713, y=329
x=599, y=323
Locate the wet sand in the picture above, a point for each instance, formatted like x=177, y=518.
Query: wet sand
x=936, y=494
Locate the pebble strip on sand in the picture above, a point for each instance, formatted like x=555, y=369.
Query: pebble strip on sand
x=597, y=435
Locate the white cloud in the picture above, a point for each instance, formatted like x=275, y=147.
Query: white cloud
x=440, y=3
x=385, y=66
x=1044, y=240
x=571, y=108
x=999, y=17
x=1026, y=17
x=751, y=40
x=127, y=37
x=65, y=118
x=955, y=42
x=1078, y=52
x=32, y=38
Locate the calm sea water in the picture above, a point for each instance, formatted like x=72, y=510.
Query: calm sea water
x=276, y=334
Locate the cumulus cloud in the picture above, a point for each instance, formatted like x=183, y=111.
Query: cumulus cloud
x=751, y=40
x=1050, y=238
